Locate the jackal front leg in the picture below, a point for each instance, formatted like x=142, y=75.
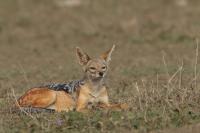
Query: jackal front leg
x=82, y=102
x=104, y=103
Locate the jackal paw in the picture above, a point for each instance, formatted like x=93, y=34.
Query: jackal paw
x=124, y=106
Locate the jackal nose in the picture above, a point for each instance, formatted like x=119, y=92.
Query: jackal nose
x=101, y=74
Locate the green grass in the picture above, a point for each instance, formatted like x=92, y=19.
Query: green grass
x=100, y=121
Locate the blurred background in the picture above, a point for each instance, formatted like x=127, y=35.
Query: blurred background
x=38, y=37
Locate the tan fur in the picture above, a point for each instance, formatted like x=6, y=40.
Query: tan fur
x=99, y=97
x=64, y=102
x=93, y=91
x=38, y=97
x=46, y=98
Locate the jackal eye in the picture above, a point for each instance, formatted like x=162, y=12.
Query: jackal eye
x=92, y=68
x=103, y=67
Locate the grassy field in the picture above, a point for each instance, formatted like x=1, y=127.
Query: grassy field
x=155, y=67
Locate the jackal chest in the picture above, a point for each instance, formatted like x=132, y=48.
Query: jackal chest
x=93, y=95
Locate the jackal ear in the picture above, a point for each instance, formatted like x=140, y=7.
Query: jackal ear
x=107, y=55
x=82, y=57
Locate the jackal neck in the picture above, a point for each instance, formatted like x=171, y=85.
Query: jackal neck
x=94, y=84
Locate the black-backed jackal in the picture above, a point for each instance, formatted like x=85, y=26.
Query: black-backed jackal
x=76, y=94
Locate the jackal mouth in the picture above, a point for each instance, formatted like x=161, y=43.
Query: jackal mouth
x=96, y=75
x=96, y=78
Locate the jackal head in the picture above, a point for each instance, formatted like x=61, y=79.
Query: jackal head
x=95, y=68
